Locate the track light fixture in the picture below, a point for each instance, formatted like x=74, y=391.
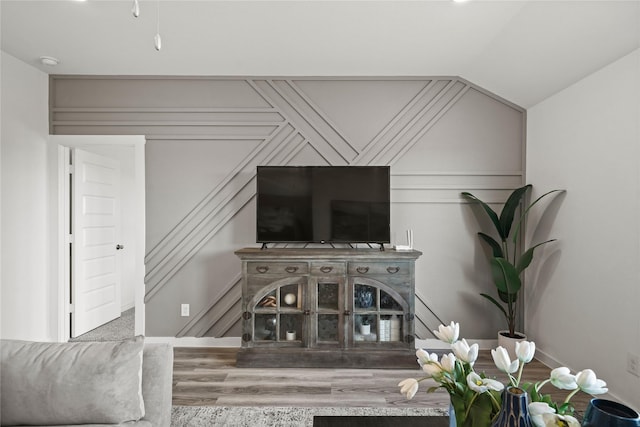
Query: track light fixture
x=136, y=9
x=157, y=40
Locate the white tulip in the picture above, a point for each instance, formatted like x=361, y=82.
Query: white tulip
x=537, y=410
x=408, y=387
x=563, y=379
x=464, y=352
x=448, y=334
x=587, y=382
x=480, y=385
x=432, y=369
x=503, y=361
x=448, y=362
x=525, y=351
x=424, y=357
x=554, y=420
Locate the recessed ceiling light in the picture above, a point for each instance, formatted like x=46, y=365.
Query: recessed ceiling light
x=460, y=1
x=49, y=60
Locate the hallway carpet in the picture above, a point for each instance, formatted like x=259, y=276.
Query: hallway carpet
x=117, y=329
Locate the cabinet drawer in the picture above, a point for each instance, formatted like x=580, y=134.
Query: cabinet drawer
x=379, y=268
x=327, y=268
x=277, y=268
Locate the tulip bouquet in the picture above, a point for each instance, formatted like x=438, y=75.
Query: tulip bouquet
x=476, y=399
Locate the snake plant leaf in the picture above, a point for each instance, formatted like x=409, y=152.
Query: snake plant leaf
x=490, y=212
x=526, y=257
x=495, y=246
x=505, y=276
x=509, y=209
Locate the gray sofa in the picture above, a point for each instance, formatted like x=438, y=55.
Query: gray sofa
x=116, y=383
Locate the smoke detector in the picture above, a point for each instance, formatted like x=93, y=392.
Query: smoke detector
x=49, y=60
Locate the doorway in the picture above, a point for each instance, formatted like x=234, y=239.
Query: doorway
x=129, y=152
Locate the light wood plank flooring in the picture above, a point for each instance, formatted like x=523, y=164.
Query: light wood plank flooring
x=209, y=377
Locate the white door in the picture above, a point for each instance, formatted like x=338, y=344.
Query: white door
x=95, y=278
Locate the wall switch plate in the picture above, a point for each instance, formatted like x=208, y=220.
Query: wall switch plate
x=184, y=310
x=633, y=364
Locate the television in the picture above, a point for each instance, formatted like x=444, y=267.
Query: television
x=323, y=204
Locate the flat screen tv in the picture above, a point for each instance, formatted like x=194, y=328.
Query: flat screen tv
x=323, y=204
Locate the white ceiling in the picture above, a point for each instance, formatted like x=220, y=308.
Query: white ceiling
x=522, y=50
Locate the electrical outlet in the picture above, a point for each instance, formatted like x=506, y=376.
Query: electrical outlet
x=184, y=310
x=633, y=364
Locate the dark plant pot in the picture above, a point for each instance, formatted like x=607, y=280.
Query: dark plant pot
x=602, y=412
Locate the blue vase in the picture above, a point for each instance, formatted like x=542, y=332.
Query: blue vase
x=514, y=411
x=602, y=412
x=452, y=416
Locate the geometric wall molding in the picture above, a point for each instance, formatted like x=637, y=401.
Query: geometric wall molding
x=440, y=135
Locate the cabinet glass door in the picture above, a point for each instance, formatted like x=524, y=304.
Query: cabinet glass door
x=377, y=313
x=278, y=315
x=328, y=312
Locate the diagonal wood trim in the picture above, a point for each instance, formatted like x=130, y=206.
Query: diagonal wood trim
x=422, y=112
x=421, y=315
x=426, y=118
x=382, y=138
x=312, y=127
x=192, y=243
x=191, y=216
x=224, y=317
x=234, y=283
x=322, y=115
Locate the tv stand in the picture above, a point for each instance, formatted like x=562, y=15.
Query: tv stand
x=264, y=245
x=327, y=307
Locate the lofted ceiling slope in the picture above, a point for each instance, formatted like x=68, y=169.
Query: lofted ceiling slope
x=523, y=51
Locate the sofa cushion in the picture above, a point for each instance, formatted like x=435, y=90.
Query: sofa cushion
x=71, y=383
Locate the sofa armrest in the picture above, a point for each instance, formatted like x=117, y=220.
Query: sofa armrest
x=157, y=383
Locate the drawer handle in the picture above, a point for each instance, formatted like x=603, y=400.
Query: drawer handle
x=393, y=270
x=291, y=269
x=262, y=269
x=326, y=269
x=362, y=270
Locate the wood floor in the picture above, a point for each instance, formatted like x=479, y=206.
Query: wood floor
x=209, y=377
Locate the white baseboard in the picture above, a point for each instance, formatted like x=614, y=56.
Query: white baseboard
x=435, y=344
x=196, y=342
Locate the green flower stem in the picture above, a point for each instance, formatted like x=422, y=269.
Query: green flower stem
x=517, y=384
x=473, y=399
x=513, y=381
x=541, y=384
x=573, y=393
x=496, y=404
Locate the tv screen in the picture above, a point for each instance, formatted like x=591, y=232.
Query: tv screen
x=323, y=204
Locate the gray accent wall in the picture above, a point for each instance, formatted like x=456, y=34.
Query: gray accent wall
x=206, y=135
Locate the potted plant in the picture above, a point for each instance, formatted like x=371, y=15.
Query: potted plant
x=508, y=259
x=365, y=326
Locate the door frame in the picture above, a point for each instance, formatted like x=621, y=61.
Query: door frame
x=63, y=144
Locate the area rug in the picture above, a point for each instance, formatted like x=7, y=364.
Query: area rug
x=379, y=421
x=240, y=416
